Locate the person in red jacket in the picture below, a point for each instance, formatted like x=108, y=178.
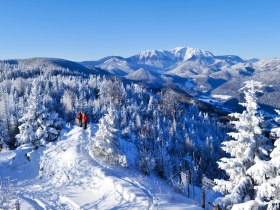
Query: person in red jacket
x=84, y=120
x=79, y=118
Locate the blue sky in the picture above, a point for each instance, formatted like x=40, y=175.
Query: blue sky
x=91, y=29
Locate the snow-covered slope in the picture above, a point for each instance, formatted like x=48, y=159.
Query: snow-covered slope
x=65, y=175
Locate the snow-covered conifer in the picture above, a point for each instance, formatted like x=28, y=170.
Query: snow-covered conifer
x=268, y=174
x=112, y=92
x=248, y=146
x=145, y=161
x=38, y=124
x=67, y=101
x=106, y=142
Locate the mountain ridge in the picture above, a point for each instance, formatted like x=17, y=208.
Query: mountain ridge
x=200, y=73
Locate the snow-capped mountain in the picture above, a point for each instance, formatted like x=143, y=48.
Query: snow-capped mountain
x=166, y=59
x=197, y=72
x=182, y=56
x=179, y=61
x=182, y=63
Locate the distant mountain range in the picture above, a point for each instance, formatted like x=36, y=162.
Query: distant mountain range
x=181, y=61
x=213, y=79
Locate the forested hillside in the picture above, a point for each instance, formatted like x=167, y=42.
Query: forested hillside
x=163, y=129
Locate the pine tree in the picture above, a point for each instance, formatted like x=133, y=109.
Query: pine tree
x=247, y=147
x=267, y=175
x=106, y=141
x=38, y=124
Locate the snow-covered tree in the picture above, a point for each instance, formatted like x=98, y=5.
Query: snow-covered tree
x=38, y=124
x=112, y=91
x=247, y=147
x=67, y=101
x=267, y=175
x=106, y=140
x=162, y=157
x=169, y=102
x=145, y=161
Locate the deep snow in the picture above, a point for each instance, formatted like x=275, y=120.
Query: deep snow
x=65, y=175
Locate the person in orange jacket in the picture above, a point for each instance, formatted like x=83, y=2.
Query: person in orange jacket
x=84, y=120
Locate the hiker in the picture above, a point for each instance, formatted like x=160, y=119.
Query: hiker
x=84, y=120
x=79, y=119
